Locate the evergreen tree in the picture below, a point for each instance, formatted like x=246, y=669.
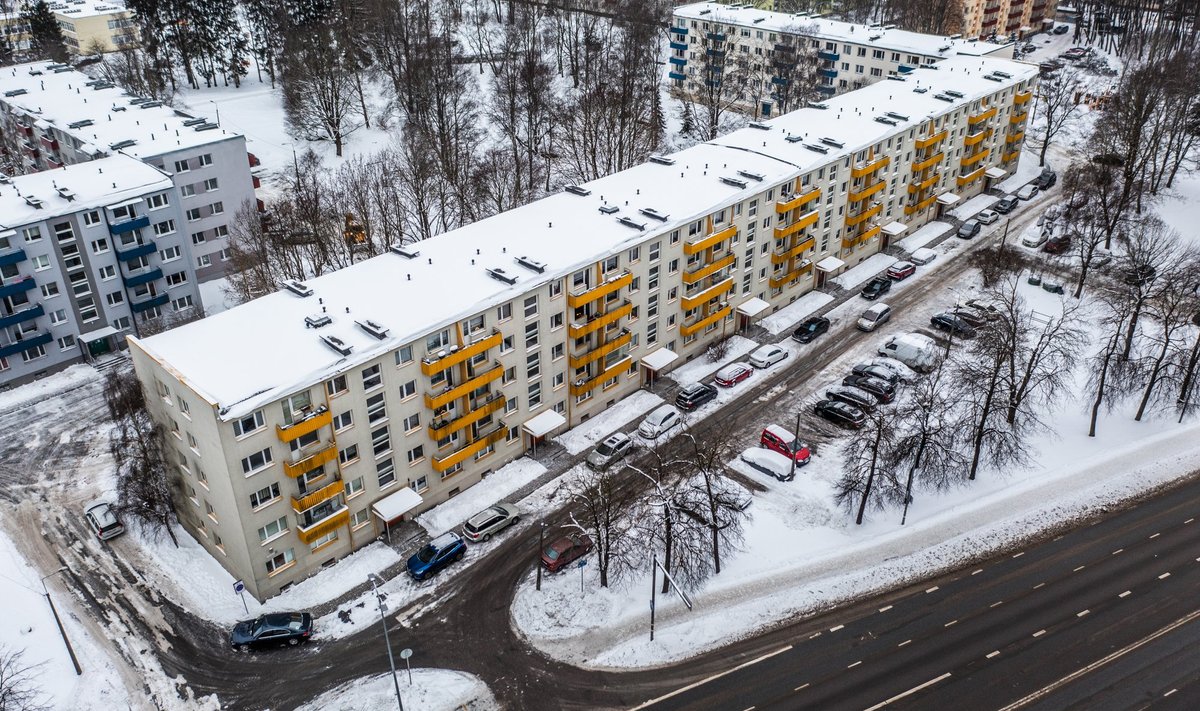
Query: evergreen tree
x=45, y=36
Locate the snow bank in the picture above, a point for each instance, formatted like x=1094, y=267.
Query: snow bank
x=924, y=236
x=497, y=486
x=48, y=386
x=701, y=367
x=795, y=312
x=429, y=690
x=875, y=264
x=972, y=207
x=582, y=436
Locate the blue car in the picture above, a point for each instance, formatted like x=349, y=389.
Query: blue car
x=435, y=555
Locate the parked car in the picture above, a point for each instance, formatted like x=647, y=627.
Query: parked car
x=1028, y=192
x=840, y=413
x=769, y=462
x=987, y=217
x=1141, y=275
x=1048, y=68
x=695, y=395
x=974, y=319
x=492, y=520
x=880, y=389
x=782, y=440
x=952, y=324
x=566, y=550
x=1046, y=179
x=436, y=554
x=733, y=374
x=904, y=373
x=873, y=317
x=810, y=329
x=613, y=448
x=876, y=288
x=915, y=350
x=1058, y=244
x=768, y=355
x=923, y=256
x=1035, y=238
x=1101, y=258
x=1074, y=54
x=1006, y=204
x=664, y=419
x=989, y=310
x=861, y=399
x=103, y=521
x=875, y=370
x=1062, y=29
x=969, y=229
x=274, y=630
x=901, y=271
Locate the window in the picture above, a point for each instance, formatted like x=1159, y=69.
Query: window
x=157, y=202
x=193, y=214
x=217, y=208
x=419, y=484
x=182, y=303
x=531, y=307
x=203, y=260
x=535, y=395
x=256, y=462
x=634, y=254
x=504, y=312
x=372, y=377
x=385, y=472
x=353, y=487
x=170, y=254
x=531, y=335
x=50, y=290
x=192, y=441
x=248, y=424
x=204, y=160
x=164, y=228
x=281, y=561
x=408, y=389
x=198, y=238
x=404, y=355
x=176, y=279
x=381, y=442
x=556, y=288
x=66, y=343
x=32, y=234
x=187, y=190
x=360, y=518
x=33, y=353
x=533, y=365
x=57, y=317
x=336, y=386
x=181, y=166
x=99, y=246
x=91, y=218
x=412, y=422
x=654, y=248
x=416, y=454
x=41, y=262
x=264, y=496
x=342, y=421
x=349, y=454
x=436, y=341
x=376, y=409
x=210, y=184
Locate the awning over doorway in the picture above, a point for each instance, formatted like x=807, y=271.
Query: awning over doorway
x=995, y=173
x=659, y=359
x=544, y=423
x=893, y=229
x=830, y=264
x=391, y=507
x=753, y=307
x=98, y=334
x=947, y=199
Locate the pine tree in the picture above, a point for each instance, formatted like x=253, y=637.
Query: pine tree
x=45, y=36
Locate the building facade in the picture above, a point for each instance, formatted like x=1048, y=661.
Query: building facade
x=1002, y=18
x=95, y=24
x=53, y=116
x=296, y=417
x=87, y=254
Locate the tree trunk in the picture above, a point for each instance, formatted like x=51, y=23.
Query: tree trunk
x=981, y=427
x=1154, y=375
x=668, y=540
x=1188, y=378
x=1108, y=354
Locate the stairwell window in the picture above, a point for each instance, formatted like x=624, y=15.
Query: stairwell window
x=372, y=377
x=256, y=462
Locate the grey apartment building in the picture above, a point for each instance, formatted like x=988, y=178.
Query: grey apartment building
x=303, y=422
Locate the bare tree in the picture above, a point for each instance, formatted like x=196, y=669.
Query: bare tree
x=711, y=498
x=1056, y=108
x=1109, y=377
x=927, y=437
x=939, y=17
x=1172, y=307
x=1046, y=348
x=18, y=683
x=320, y=96
x=868, y=472
x=657, y=514
x=601, y=510
x=1150, y=247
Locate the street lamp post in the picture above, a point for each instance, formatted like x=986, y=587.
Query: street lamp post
x=376, y=581
x=541, y=547
x=61, y=631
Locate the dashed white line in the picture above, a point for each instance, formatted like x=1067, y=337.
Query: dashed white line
x=910, y=692
x=1164, y=576
x=1127, y=593
x=1172, y=691
x=997, y=603
x=1119, y=550
x=950, y=623
x=802, y=687
x=1154, y=536
x=1189, y=520
x=1079, y=569
x=885, y=609
x=1018, y=555
x=907, y=641
x=854, y=664
x=977, y=572
x=935, y=588
x=814, y=636
x=1039, y=633
x=1035, y=587
x=835, y=629
x=1081, y=614
x=994, y=654
x=749, y=708
x=705, y=680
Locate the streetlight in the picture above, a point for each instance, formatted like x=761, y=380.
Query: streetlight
x=61, y=631
x=218, y=110
x=541, y=547
x=376, y=581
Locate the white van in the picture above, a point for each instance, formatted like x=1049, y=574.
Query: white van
x=873, y=317
x=915, y=350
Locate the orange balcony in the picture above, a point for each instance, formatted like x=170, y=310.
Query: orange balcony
x=973, y=159
x=982, y=116
x=913, y=209
x=1022, y=97
x=975, y=138
x=319, y=458
x=929, y=162
x=779, y=281
x=716, y=316
x=699, y=245
x=1018, y=118
x=1011, y=155
x=696, y=275
x=325, y=493
x=868, y=191
x=705, y=295
x=806, y=220
x=860, y=239
x=923, y=143
x=587, y=296
x=863, y=216
x=579, y=330
x=582, y=359
x=432, y=365
x=1015, y=138
x=972, y=176
x=580, y=387
x=442, y=464
x=797, y=201
x=308, y=425
x=442, y=429
x=467, y=387
x=324, y=526
x=781, y=257
x=869, y=167
x=924, y=184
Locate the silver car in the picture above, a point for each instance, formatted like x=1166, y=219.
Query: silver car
x=483, y=525
x=103, y=521
x=614, y=447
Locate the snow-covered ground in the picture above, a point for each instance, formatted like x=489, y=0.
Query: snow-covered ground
x=701, y=366
x=213, y=296
x=429, y=690
x=972, y=207
x=584, y=435
x=786, y=318
x=47, y=387
x=496, y=487
x=924, y=235
x=853, y=278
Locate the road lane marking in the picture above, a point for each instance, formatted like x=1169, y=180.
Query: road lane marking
x=1051, y=688
x=1018, y=555
x=802, y=687
x=835, y=629
x=950, y=623
x=1155, y=536
x=718, y=675
x=814, y=636
x=907, y=641
x=977, y=572
x=1127, y=593
x=994, y=654
x=749, y=708
x=1172, y=691
x=1039, y=633
x=1035, y=587
x=1119, y=550
x=997, y=603
x=1079, y=569
x=885, y=609
x=935, y=588
x=910, y=692
x=1164, y=576
x=1081, y=614
x=854, y=664
x=1189, y=520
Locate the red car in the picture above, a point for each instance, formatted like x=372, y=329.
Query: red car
x=733, y=374
x=777, y=439
x=901, y=270
x=563, y=551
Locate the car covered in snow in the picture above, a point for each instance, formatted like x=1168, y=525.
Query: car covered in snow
x=274, y=630
x=922, y=256
x=733, y=374
x=768, y=355
x=769, y=462
x=1028, y=192
x=987, y=217
x=614, y=447
x=662, y=420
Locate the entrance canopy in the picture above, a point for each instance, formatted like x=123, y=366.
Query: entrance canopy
x=98, y=334
x=659, y=359
x=544, y=423
x=893, y=229
x=830, y=264
x=995, y=173
x=947, y=199
x=753, y=307
x=390, y=508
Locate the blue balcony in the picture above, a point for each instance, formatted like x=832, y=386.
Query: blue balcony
x=781, y=81
x=829, y=73
x=22, y=316
x=681, y=31
x=676, y=76
x=139, y=306
x=905, y=69
x=681, y=46
x=827, y=89
x=678, y=61
x=137, y=223
x=140, y=250
x=17, y=287
x=13, y=257
x=828, y=56
x=40, y=339
x=143, y=278
x=716, y=36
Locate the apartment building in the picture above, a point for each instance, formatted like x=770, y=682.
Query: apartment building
x=87, y=253
x=305, y=421
x=53, y=116
x=15, y=29
x=88, y=24
x=708, y=39
x=987, y=18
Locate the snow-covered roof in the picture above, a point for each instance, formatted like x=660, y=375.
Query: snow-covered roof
x=396, y=504
x=885, y=37
x=544, y=423
x=102, y=116
x=97, y=183
x=86, y=8
x=276, y=353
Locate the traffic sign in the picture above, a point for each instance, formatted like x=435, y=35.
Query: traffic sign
x=405, y=653
x=582, y=562
x=238, y=587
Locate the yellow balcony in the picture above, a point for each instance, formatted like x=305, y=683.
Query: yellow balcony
x=324, y=526
x=582, y=359
x=924, y=184
x=579, y=330
x=308, y=425
x=929, y=162
x=1018, y=118
x=442, y=429
x=797, y=201
x=434, y=365
x=806, y=220
x=691, y=302
x=972, y=176
x=913, y=209
x=707, y=321
x=975, y=138
x=982, y=116
x=467, y=387
x=587, y=296
x=777, y=282
x=690, y=248
x=973, y=159
x=871, y=167
x=780, y=258
x=325, y=493
x=860, y=239
x=923, y=143
x=696, y=275
x=319, y=458
x=858, y=195
x=1022, y=98
x=580, y=387
x=441, y=464
x=1015, y=138
x=1011, y=155
x=863, y=216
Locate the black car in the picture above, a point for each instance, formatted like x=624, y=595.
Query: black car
x=881, y=390
x=861, y=399
x=810, y=329
x=694, y=396
x=281, y=628
x=952, y=324
x=840, y=413
x=876, y=288
x=1046, y=179
x=1062, y=30
x=974, y=319
x=887, y=375
x=969, y=229
x=1006, y=204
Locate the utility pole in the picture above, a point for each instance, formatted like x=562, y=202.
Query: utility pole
x=375, y=581
x=61, y=631
x=796, y=443
x=541, y=547
x=653, y=590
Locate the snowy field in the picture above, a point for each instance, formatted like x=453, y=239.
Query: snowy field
x=430, y=690
x=495, y=488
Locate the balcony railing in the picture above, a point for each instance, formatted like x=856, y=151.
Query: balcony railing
x=703, y=243
x=34, y=341
x=973, y=159
x=18, y=286
x=806, y=220
x=579, y=330
x=868, y=191
x=136, y=251
x=913, y=209
x=1015, y=138
x=311, y=422
x=1022, y=98
x=326, y=525
x=22, y=316
x=803, y=268
x=437, y=362
x=1018, y=118
x=972, y=176
x=580, y=387
x=1011, y=155
x=689, y=329
x=144, y=277
x=976, y=138
x=924, y=184
x=795, y=201
x=325, y=493
x=923, y=143
x=582, y=297
x=932, y=160
x=828, y=56
x=981, y=116
x=319, y=458
x=136, y=223
x=869, y=167
x=706, y=295
x=781, y=257
x=16, y=256
x=146, y=305
x=467, y=387
x=440, y=429
x=442, y=464
x=863, y=216
x=582, y=358
x=697, y=274
x=860, y=239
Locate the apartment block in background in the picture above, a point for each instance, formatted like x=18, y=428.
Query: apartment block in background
x=1002, y=18
x=85, y=24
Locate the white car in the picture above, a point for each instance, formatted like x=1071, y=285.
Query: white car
x=662, y=420
x=1028, y=192
x=773, y=464
x=1035, y=238
x=103, y=521
x=768, y=355
x=922, y=256
x=987, y=217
